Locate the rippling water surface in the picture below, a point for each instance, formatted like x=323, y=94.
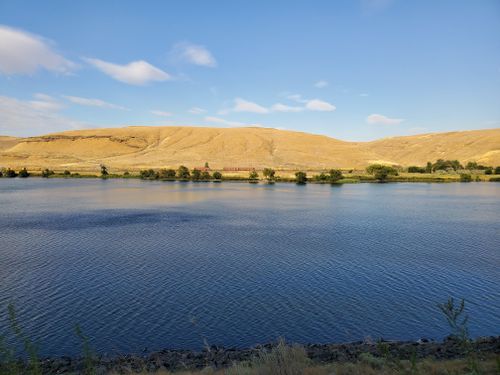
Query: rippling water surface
x=155, y=265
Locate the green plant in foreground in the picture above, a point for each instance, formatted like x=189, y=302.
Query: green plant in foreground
x=29, y=347
x=88, y=357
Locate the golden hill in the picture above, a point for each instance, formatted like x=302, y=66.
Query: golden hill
x=158, y=147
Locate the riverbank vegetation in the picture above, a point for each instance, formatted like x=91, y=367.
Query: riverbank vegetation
x=458, y=354
x=439, y=171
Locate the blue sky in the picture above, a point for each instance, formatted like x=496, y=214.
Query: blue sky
x=354, y=70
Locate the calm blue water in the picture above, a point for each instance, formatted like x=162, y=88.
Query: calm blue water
x=156, y=265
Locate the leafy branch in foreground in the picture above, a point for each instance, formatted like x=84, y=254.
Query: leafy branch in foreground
x=88, y=356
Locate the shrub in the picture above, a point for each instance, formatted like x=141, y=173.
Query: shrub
x=23, y=173
x=10, y=173
x=126, y=174
x=104, y=171
x=66, y=173
x=497, y=170
x=217, y=175
x=381, y=172
x=495, y=179
x=444, y=165
x=148, y=174
x=282, y=360
x=46, y=173
x=166, y=173
x=183, y=172
x=196, y=174
x=205, y=175
x=465, y=177
x=300, y=177
x=335, y=175
x=415, y=169
x=269, y=173
x=253, y=175
x=488, y=170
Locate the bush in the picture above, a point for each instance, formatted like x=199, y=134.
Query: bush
x=217, y=175
x=10, y=173
x=205, y=175
x=465, y=177
x=253, y=175
x=66, y=173
x=148, y=174
x=196, y=174
x=381, y=172
x=126, y=174
x=269, y=173
x=300, y=177
x=336, y=175
x=415, y=169
x=495, y=179
x=282, y=360
x=183, y=172
x=23, y=173
x=444, y=165
x=488, y=170
x=166, y=174
x=46, y=173
x=104, y=171
x=497, y=170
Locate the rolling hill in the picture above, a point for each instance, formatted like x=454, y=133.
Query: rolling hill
x=158, y=147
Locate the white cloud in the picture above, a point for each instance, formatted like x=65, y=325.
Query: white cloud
x=225, y=122
x=381, y=119
x=91, y=102
x=161, y=113
x=40, y=116
x=242, y=105
x=134, y=73
x=25, y=53
x=321, y=84
x=279, y=107
x=196, y=110
x=320, y=105
x=194, y=54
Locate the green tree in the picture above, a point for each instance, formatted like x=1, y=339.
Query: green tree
x=488, y=170
x=183, y=172
x=471, y=165
x=10, y=173
x=497, y=170
x=46, y=173
x=167, y=174
x=206, y=165
x=66, y=173
x=149, y=174
x=205, y=175
x=322, y=177
x=415, y=169
x=104, y=171
x=335, y=175
x=428, y=167
x=217, y=175
x=269, y=174
x=381, y=172
x=465, y=177
x=195, y=174
x=23, y=173
x=253, y=175
x=300, y=177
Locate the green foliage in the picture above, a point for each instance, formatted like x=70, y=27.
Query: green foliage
x=30, y=348
x=205, y=175
x=322, y=177
x=415, y=169
x=253, y=175
x=217, y=175
x=104, y=171
x=166, y=174
x=46, y=173
x=488, y=170
x=206, y=165
x=282, y=360
x=183, y=172
x=66, y=173
x=23, y=173
x=456, y=318
x=495, y=179
x=471, y=165
x=428, y=167
x=126, y=174
x=149, y=174
x=196, y=174
x=300, y=177
x=269, y=174
x=88, y=356
x=335, y=175
x=381, y=172
x=444, y=165
x=9, y=173
x=465, y=177
x=497, y=170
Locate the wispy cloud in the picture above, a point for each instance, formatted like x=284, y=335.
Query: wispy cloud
x=197, y=110
x=381, y=119
x=25, y=53
x=134, y=73
x=320, y=105
x=225, y=122
x=32, y=117
x=279, y=107
x=161, y=113
x=321, y=84
x=193, y=54
x=242, y=105
x=92, y=102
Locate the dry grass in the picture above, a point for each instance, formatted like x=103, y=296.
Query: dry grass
x=135, y=148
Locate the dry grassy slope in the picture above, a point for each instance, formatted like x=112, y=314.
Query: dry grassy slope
x=154, y=147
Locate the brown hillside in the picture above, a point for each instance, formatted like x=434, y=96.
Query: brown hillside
x=154, y=147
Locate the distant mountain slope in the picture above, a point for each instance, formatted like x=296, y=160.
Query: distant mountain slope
x=155, y=147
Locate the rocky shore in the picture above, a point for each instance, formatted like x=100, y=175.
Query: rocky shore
x=219, y=357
